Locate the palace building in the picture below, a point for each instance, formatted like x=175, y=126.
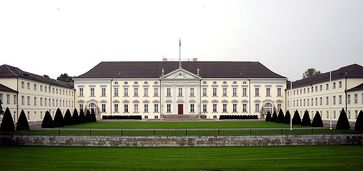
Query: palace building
x=35, y=94
x=328, y=93
x=205, y=89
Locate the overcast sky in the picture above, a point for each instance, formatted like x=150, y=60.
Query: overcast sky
x=287, y=36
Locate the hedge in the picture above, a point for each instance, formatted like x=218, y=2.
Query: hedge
x=133, y=117
x=221, y=117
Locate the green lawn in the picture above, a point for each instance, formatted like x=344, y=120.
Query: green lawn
x=207, y=158
x=203, y=124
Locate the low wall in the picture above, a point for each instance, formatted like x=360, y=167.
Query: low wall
x=176, y=141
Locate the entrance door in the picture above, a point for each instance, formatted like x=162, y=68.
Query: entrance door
x=180, y=109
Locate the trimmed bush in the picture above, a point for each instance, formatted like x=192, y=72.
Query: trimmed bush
x=58, y=119
x=93, y=116
x=22, y=123
x=296, y=120
x=82, y=118
x=68, y=118
x=280, y=117
x=88, y=116
x=317, y=121
x=238, y=117
x=7, y=123
x=359, y=122
x=129, y=117
x=75, y=117
x=306, y=119
x=287, y=117
x=343, y=122
x=274, y=117
x=47, y=121
x=268, y=116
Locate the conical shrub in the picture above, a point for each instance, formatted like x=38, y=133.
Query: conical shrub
x=296, y=120
x=274, y=117
x=47, y=121
x=306, y=119
x=7, y=123
x=359, y=122
x=75, y=117
x=93, y=116
x=317, y=121
x=22, y=123
x=68, y=118
x=268, y=116
x=82, y=118
x=280, y=117
x=58, y=119
x=343, y=122
x=287, y=117
x=88, y=116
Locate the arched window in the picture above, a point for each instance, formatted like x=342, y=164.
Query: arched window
x=92, y=106
x=267, y=108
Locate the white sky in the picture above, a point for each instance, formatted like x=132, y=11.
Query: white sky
x=287, y=36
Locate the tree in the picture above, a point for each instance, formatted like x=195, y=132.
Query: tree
x=274, y=117
x=287, y=117
x=7, y=123
x=58, y=119
x=306, y=119
x=88, y=116
x=47, y=121
x=68, y=118
x=75, y=117
x=65, y=78
x=359, y=122
x=268, y=116
x=280, y=117
x=1, y=108
x=296, y=120
x=22, y=123
x=317, y=121
x=311, y=72
x=82, y=118
x=343, y=122
x=93, y=116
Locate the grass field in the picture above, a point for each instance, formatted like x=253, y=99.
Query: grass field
x=208, y=158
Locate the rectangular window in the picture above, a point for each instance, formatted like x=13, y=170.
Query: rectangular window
x=28, y=85
x=355, y=98
x=224, y=108
x=321, y=101
x=321, y=87
x=136, y=92
x=81, y=92
x=168, y=92
x=180, y=92
x=156, y=92
x=327, y=87
x=312, y=101
x=214, y=107
x=35, y=87
x=191, y=108
x=156, y=108
x=115, y=107
x=340, y=99
x=316, y=88
x=146, y=108
x=92, y=92
x=80, y=106
x=316, y=101
x=8, y=99
x=244, y=92
x=22, y=100
x=257, y=107
x=334, y=85
x=348, y=99
x=204, y=94
x=126, y=92
x=327, y=100
x=234, y=92
x=340, y=84
x=103, y=107
x=28, y=100
x=279, y=92
x=234, y=107
x=146, y=92
x=115, y=91
x=168, y=108
x=22, y=84
x=257, y=92
x=103, y=92
x=204, y=108
x=268, y=92
x=41, y=87
x=214, y=92
x=244, y=107
x=136, y=108
x=35, y=101
x=41, y=101
x=278, y=107
x=191, y=92
x=348, y=114
x=126, y=108
x=334, y=99
x=224, y=91
x=15, y=99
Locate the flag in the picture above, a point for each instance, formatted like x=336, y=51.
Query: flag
x=179, y=42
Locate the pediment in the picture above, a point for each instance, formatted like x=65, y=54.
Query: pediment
x=180, y=74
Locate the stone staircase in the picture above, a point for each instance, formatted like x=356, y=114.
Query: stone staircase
x=180, y=118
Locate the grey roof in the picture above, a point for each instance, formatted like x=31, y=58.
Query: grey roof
x=153, y=69
x=7, y=71
x=356, y=88
x=350, y=71
x=6, y=89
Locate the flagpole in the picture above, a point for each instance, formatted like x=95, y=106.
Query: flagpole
x=179, y=53
x=330, y=124
x=290, y=113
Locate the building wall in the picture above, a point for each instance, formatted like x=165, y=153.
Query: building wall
x=33, y=97
x=7, y=101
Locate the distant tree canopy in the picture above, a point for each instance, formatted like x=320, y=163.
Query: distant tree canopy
x=310, y=73
x=65, y=78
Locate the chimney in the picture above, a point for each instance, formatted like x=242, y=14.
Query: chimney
x=198, y=71
x=162, y=71
x=195, y=59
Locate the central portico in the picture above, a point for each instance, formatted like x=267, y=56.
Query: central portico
x=180, y=93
